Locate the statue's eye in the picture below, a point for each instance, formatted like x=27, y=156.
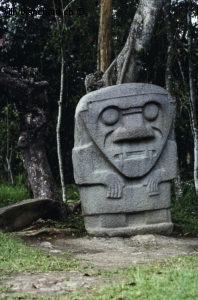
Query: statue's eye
x=151, y=111
x=110, y=115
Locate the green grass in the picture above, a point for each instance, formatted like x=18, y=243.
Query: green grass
x=170, y=279
x=10, y=194
x=167, y=279
x=16, y=257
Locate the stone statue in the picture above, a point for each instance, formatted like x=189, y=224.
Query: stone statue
x=124, y=159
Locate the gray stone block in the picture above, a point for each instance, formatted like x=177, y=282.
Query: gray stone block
x=124, y=158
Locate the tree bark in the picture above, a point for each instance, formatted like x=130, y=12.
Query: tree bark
x=60, y=26
x=58, y=128
x=32, y=147
x=126, y=67
x=192, y=98
x=105, y=35
x=29, y=97
x=170, y=50
x=169, y=84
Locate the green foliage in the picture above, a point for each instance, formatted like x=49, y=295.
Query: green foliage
x=72, y=193
x=76, y=222
x=35, y=42
x=9, y=134
x=15, y=256
x=185, y=211
x=10, y=194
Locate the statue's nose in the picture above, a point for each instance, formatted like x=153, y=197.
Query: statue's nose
x=133, y=128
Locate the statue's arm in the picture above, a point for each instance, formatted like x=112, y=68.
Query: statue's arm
x=167, y=170
x=85, y=171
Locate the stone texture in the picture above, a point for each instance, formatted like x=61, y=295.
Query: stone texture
x=124, y=158
x=21, y=214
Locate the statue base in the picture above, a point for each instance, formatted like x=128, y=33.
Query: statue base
x=112, y=225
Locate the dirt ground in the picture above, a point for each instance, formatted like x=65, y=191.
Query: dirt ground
x=95, y=254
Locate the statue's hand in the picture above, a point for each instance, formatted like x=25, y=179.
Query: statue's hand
x=153, y=186
x=114, y=186
x=154, y=180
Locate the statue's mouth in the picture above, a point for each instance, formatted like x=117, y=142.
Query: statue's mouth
x=136, y=155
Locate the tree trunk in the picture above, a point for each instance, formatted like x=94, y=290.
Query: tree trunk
x=170, y=50
x=32, y=147
x=29, y=97
x=105, y=35
x=126, y=67
x=193, y=107
x=58, y=128
x=169, y=84
x=8, y=147
x=61, y=26
x=196, y=160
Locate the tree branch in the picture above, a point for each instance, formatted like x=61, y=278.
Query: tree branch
x=19, y=82
x=126, y=67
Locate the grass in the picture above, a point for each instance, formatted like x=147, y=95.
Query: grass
x=167, y=279
x=10, y=194
x=170, y=279
x=16, y=257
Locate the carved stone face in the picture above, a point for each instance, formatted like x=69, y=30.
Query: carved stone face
x=130, y=124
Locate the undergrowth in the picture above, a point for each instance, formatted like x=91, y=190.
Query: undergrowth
x=185, y=211
x=10, y=194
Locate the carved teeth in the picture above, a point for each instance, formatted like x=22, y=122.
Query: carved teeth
x=141, y=154
x=136, y=154
x=152, y=153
